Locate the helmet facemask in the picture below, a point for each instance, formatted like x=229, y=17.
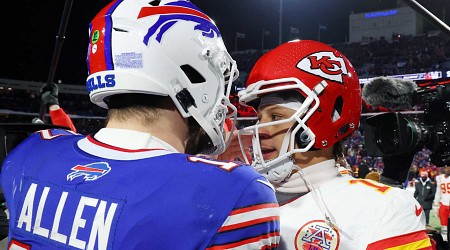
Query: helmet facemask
x=299, y=138
x=212, y=137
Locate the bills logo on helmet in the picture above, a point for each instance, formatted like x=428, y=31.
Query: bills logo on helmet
x=324, y=64
x=90, y=172
x=173, y=12
x=317, y=235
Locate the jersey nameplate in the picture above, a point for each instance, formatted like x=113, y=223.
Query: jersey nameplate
x=67, y=216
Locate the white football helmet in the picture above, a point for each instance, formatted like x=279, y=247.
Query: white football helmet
x=330, y=108
x=167, y=48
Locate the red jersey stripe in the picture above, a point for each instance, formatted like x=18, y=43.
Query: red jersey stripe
x=249, y=241
x=94, y=141
x=419, y=240
x=253, y=208
x=249, y=223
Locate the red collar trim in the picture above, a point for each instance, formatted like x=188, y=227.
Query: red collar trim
x=101, y=144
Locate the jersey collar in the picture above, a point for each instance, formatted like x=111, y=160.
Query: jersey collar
x=123, y=144
x=319, y=174
x=131, y=139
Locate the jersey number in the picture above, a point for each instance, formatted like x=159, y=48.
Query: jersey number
x=48, y=135
x=228, y=166
x=445, y=188
x=373, y=184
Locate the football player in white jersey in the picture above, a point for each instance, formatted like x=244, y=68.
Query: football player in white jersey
x=442, y=198
x=308, y=99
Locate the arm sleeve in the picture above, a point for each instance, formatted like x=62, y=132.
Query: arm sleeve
x=254, y=221
x=437, y=196
x=59, y=117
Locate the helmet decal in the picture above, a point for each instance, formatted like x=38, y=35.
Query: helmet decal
x=100, y=39
x=173, y=12
x=324, y=64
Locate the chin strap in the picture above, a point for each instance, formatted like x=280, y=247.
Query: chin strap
x=275, y=170
x=285, y=166
x=216, y=141
x=282, y=170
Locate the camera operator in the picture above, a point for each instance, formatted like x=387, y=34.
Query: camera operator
x=397, y=138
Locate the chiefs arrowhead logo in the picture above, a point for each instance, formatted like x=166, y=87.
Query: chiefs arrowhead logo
x=324, y=64
x=418, y=210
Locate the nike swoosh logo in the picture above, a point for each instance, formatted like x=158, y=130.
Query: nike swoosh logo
x=418, y=211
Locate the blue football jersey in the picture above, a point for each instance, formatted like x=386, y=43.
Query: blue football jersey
x=68, y=191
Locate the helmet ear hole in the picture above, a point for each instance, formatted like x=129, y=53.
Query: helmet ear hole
x=337, y=109
x=193, y=75
x=155, y=2
x=119, y=29
x=344, y=129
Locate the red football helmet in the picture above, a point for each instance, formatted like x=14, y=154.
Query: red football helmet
x=328, y=82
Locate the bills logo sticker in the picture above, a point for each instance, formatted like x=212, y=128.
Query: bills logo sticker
x=324, y=64
x=173, y=12
x=89, y=172
x=317, y=235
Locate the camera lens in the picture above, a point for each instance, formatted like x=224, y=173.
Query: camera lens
x=388, y=137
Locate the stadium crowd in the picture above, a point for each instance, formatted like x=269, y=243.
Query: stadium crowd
x=379, y=57
x=404, y=55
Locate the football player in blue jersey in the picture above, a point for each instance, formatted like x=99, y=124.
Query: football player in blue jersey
x=163, y=72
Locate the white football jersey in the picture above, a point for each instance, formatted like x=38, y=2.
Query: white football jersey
x=365, y=215
x=442, y=190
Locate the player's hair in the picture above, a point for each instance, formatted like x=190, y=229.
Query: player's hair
x=142, y=107
x=339, y=150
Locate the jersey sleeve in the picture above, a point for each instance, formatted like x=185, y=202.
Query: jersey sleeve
x=59, y=117
x=437, y=196
x=403, y=225
x=254, y=221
